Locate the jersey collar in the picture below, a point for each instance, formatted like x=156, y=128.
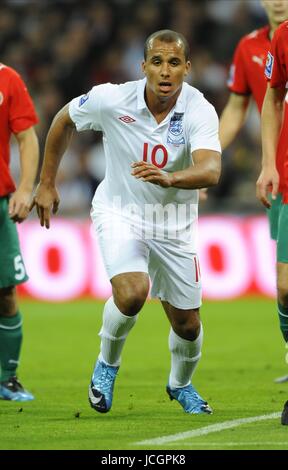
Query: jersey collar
x=141, y=103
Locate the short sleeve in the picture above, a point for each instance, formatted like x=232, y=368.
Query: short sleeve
x=237, y=81
x=22, y=114
x=276, y=70
x=86, y=110
x=204, y=129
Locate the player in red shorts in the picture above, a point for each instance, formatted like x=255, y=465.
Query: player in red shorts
x=272, y=174
x=246, y=80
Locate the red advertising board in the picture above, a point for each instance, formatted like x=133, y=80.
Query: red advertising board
x=236, y=255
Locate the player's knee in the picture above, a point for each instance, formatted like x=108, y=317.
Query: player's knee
x=188, y=329
x=8, y=304
x=190, y=332
x=131, y=299
x=131, y=304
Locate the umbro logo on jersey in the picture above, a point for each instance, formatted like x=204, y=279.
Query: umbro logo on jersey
x=127, y=119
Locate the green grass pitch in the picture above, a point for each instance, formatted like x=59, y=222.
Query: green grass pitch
x=243, y=352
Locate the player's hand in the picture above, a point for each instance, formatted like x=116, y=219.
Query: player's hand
x=203, y=195
x=19, y=204
x=46, y=199
x=151, y=174
x=268, y=179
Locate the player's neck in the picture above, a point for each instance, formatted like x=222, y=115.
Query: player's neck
x=273, y=27
x=160, y=106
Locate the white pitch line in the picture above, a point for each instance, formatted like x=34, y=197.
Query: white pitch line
x=232, y=444
x=207, y=430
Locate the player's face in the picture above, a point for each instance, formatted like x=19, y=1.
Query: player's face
x=277, y=10
x=165, y=68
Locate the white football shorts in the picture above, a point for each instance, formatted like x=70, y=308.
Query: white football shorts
x=173, y=269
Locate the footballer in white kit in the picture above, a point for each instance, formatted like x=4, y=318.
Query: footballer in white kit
x=161, y=145
x=145, y=227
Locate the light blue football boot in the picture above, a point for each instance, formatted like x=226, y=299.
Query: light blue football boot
x=12, y=390
x=101, y=387
x=189, y=399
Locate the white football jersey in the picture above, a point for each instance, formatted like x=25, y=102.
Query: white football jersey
x=130, y=134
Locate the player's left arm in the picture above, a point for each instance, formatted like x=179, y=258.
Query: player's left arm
x=272, y=115
x=271, y=122
x=203, y=173
x=29, y=157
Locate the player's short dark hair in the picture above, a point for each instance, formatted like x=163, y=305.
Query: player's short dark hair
x=167, y=35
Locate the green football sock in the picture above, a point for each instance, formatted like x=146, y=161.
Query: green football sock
x=283, y=317
x=10, y=345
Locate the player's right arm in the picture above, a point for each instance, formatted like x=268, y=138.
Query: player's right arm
x=271, y=122
x=46, y=196
x=235, y=112
x=233, y=118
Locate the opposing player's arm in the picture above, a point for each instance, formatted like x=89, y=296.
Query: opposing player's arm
x=46, y=197
x=203, y=173
x=271, y=122
x=232, y=118
x=29, y=157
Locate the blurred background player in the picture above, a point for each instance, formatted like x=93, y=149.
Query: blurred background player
x=273, y=173
x=247, y=78
x=159, y=151
x=17, y=116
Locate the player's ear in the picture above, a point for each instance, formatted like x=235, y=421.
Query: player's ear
x=143, y=67
x=187, y=67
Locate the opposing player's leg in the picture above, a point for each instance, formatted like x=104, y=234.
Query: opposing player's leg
x=282, y=278
x=282, y=298
x=12, y=272
x=273, y=215
x=126, y=262
x=282, y=288
x=10, y=347
x=284, y=415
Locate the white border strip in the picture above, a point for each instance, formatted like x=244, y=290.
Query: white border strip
x=207, y=430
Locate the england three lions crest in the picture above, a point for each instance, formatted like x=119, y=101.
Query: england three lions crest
x=175, y=131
